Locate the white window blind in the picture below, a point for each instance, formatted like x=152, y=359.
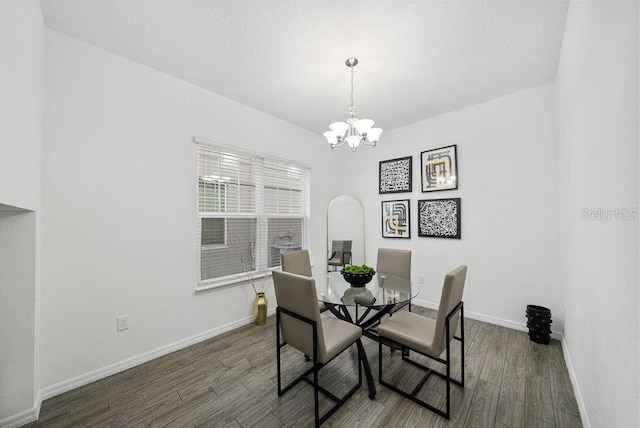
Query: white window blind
x=251, y=208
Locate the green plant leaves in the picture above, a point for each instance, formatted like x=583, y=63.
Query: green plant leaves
x=363, y=269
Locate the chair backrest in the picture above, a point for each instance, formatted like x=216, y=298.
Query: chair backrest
x=394, y=262
x=451, y=295
x=297, y=293
x=338, y=248
x=297, y=262
x=343, y=246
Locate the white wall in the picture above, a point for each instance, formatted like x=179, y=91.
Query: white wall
x=21, y=79
x=507, y=183
x=119, y=206
x=597, y=85
x=17, y=313
x=21, y=82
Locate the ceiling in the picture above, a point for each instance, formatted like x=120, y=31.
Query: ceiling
x=417, y=59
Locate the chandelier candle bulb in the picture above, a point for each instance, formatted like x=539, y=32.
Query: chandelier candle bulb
x=355, y=131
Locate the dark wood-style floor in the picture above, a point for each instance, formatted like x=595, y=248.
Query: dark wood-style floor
x=230, y=380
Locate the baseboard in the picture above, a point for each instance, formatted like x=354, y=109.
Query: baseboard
x=487, y=318
x=576, y=386
x=20, y=419
x=92, y=376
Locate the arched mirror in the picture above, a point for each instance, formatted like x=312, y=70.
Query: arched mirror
x=345, y=222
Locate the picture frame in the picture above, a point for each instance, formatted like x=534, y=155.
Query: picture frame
x=396, y=219
x=394, y=175
x=439, y=218
x=439, y=169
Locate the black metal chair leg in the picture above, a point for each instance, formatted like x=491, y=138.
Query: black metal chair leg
x=446, y=413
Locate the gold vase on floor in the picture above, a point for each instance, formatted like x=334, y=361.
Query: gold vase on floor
x=260, y=309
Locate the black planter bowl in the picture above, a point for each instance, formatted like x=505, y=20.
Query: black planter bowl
x=357, y=279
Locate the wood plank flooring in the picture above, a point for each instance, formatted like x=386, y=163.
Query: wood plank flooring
x=230, y=380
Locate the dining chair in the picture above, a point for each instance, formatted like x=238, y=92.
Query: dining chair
x=300, y=324
x=428, y=337
x=395, y=262
x=340, y=254
x=298, y=262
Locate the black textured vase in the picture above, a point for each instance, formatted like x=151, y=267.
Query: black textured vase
x=539, y=323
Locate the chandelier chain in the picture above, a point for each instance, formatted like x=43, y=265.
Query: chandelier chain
x=353, y=102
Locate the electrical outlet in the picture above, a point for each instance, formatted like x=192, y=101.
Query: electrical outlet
x=123, y=322
x=421, y=280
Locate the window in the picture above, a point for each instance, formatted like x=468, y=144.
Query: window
x=211, y=200
x=251, y=208
x=214, y=231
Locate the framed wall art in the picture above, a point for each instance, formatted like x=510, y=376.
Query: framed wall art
x=396, y=219
x=439, y=169
x=439, y=218
x=395, y=175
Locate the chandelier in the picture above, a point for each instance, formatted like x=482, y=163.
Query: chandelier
x=354, y=131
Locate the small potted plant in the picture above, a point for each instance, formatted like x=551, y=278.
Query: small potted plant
x=358, y=276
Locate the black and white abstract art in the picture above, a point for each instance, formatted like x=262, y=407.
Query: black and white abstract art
x=396, y=219
x=439, y=169
x=439, y=218
x=395, y=175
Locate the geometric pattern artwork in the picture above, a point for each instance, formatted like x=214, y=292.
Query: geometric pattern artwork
x=395, y=175
x=439, y=169
x=396, y=219
x=439, y=218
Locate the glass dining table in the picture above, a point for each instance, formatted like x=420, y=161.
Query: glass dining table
x=364, y=305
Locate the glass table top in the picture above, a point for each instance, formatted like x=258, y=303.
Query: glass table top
x=383, y=289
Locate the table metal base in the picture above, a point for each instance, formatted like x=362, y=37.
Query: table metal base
x=366, y=324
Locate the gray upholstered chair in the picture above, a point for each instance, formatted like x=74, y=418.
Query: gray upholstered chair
x=298, y=262
x=340, y=254
x=394, y=262
x=320, y=336
x=429, y=337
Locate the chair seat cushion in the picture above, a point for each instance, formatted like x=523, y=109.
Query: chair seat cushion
x=411, y=330
x=338, y=335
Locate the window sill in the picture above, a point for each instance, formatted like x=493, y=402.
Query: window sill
x=210, y=285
